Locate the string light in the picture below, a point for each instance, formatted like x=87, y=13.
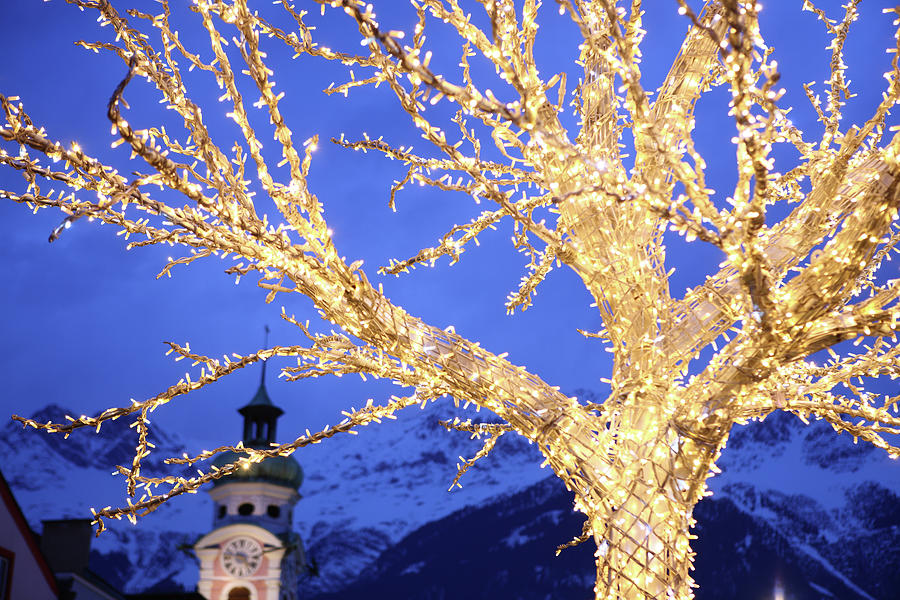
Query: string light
x=636, y=463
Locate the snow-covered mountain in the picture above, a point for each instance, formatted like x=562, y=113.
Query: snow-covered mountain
x=362, y=493
x=55, y=478
x=365, y=493
x=828, y=502
x=830, y=530
x=793, y=507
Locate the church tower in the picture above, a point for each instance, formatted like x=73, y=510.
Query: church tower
x=252, y=553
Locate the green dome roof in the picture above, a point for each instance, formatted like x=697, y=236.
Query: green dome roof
x=260, y=418
x=279, y=470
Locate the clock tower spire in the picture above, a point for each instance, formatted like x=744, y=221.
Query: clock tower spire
x=252, y=552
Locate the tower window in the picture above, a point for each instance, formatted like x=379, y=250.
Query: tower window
x=223, y=510
x=273, y=511
x=239, y=593
x=245, y=509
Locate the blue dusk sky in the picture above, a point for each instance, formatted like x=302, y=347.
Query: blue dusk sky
x=85, y=320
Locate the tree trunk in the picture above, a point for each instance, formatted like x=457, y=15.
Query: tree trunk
x=638, y=481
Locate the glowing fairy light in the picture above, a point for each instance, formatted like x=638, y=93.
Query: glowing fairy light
x=636, y=463
x=778, y=590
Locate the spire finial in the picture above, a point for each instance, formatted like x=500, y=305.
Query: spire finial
x=262, y=379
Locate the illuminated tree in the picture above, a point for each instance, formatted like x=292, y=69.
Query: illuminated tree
x=638, y=462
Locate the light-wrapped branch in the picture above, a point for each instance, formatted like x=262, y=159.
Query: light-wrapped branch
x=178, y=485
x=837, y=83
x=471, y=100
x=493, y=431
x=838, y=182
x=522, y=297
x=418, y=164
x=586, y=533
x=708, y=310
x=453, y=246
x=213, y=370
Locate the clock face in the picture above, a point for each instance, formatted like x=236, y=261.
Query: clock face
x=241, y=556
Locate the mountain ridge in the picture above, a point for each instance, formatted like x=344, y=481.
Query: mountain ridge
x=826, y=526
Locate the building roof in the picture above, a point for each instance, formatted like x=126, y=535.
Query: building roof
x=280, y=470
x=261, y=403
x=12, y=507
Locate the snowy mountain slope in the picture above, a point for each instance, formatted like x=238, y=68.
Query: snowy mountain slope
x=505, y=549
x=793, y=504
x=784, y=454
x=56, y=478
x=362, y=493
x=829, y=531
x=365, y=493
x=837, y=503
